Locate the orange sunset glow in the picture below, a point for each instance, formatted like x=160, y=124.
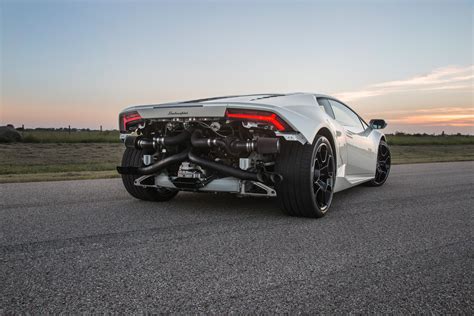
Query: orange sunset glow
x=70, y=66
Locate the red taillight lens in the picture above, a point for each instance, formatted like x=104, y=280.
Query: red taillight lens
x=259, y=116
x=127, y=118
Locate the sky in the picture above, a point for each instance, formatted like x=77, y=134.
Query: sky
x=79, y=63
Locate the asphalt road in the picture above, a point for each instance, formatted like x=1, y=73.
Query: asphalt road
x=87, y=246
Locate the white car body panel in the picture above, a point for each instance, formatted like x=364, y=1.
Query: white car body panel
x=356, y=152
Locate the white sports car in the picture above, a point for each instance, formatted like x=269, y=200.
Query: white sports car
x=300, y=148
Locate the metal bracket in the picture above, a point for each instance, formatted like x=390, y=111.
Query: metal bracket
x=270, y=192
x=292, y=137
x=139, y=181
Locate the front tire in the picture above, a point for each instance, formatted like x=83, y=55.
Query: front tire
x=308, y=177
x=384, y=162
x=133, y=158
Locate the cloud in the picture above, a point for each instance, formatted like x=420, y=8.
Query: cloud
x=449, y=87
x=446, y=78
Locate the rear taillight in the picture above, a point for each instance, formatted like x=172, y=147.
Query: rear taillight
x=258, y=116
x=129, y=119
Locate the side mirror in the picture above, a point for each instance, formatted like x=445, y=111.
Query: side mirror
x=377, y=124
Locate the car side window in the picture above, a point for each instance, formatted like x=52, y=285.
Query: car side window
x=325, y=106
x=346, y=116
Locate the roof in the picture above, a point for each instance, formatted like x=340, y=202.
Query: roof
x=251, y=98
x=278, y=99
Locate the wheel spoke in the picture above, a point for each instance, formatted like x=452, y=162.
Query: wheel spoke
x=316, y=174
x=316, y=189
x=320, y=198
x=322, y=154
x=323, y=169
x=321, y=185
x=327, y=196
x=330, y=166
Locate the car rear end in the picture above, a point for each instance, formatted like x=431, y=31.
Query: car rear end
x=197, y=146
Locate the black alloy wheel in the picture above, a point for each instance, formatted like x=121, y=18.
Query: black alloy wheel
x=384, y=163
x=323, y=171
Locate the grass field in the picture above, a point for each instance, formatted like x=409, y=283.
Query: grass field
x=431, y=153
x=22, y=162
x=51, y=158
x=42, y=136
x=418, y=140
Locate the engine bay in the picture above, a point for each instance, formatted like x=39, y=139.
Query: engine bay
x=232, y=154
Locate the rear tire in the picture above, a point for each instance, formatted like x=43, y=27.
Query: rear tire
x=133, y=158
x=308, y=177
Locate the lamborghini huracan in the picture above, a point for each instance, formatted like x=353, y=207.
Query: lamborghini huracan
x=300, y=148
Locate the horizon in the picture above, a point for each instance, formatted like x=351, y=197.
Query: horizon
x=81, y=63
x=88, y=129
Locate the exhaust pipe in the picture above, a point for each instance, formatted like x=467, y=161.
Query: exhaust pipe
x=157, y=166
x=227, y=170
x=173, y=140
x=139, y=142
x=262, y=145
